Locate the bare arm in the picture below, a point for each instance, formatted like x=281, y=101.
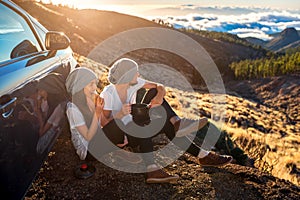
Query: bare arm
x=161, y=92
x=126, y=109
x=88, y=133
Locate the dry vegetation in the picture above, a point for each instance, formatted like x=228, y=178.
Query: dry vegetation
x=264, y=132
x=57, y=181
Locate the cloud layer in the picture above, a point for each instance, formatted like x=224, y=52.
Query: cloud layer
x=245, y=22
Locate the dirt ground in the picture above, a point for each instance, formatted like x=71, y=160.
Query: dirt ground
x=56, y=180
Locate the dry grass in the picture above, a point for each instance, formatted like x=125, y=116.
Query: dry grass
x=257, y=129
x=273, y=155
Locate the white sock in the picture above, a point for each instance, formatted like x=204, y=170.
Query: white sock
x=152, y=167
x=203, y=153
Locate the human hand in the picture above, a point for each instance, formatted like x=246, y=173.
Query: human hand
x=124, y=143
x=126, y=109
x=99, y=104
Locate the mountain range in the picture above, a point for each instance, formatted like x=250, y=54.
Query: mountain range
x=287, y=39
x=86, y=33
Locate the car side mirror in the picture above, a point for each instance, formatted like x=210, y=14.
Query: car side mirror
x=56, y=41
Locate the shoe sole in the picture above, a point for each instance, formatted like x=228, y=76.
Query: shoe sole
x=191, y=128
x=218, y=164
x=162, y=180
x=127, y=160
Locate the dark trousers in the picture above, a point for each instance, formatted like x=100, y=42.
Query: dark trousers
x=183, y=143
x=115, y=131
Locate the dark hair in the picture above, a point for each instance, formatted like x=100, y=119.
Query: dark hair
x=79, y=99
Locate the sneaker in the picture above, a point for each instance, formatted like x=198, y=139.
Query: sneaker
x=160, y=176
x=185, y=126
x=213, y=159
x=127, y=156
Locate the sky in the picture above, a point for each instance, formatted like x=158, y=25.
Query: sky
x=255, y=18
x=282, y=4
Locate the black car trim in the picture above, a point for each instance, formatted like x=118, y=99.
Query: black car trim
x=7, y=62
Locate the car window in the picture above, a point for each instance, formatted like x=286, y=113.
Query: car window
x=41, y=30
x=16, y=37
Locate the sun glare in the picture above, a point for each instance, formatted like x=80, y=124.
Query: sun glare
x=90, y=4
x=70, y=3
x=137, y=10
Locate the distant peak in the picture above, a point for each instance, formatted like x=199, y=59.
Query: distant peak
x=289, y=32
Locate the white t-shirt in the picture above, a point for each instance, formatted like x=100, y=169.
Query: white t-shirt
x=113, y=102
x=76, y=119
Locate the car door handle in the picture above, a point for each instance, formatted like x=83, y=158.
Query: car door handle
x=7, y=113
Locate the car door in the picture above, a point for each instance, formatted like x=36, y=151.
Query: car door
x=29, y=68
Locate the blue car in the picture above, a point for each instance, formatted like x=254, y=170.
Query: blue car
x=34, y=64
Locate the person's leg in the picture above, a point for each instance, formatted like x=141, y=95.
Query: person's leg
x=183, y=143
x=174, y=126
x=145, y=144
x=154, y=173
x=224, y=144
x=107, y=140
x=149, y=95
x=101, y=143
x=113, y=132
x=206, y=157
x=182, y=126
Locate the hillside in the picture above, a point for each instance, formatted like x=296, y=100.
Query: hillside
x=285, y=38
x=88, y=28
x=288, y=38
x=293, y=45
x=245, y=121
x=258, y=114
x=256, y=41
